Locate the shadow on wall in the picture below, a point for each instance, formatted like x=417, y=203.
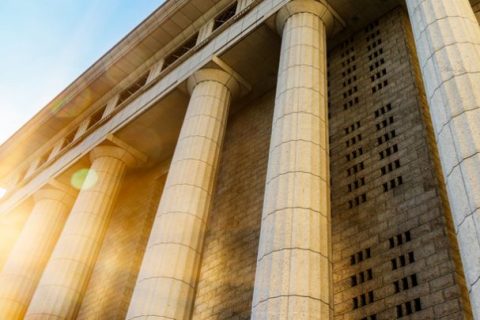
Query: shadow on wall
x=225, y=288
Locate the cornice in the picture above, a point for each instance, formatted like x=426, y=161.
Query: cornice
x=82, y=82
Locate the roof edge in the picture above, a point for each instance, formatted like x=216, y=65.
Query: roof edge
x=91, y=73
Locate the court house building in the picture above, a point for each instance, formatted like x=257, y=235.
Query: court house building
x=256, y=159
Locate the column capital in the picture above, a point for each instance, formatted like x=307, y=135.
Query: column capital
x=316, y=7
x=116, y=152
x=51, y=193
x=215, y=75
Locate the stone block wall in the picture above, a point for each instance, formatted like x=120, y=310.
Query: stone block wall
x=225, y=288
x=393, y=257
x=113, y=279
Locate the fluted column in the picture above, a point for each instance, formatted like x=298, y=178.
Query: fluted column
x=30, y=254
x=447, y=38
x=293, y=277
x=62, y=285
x=166, y=283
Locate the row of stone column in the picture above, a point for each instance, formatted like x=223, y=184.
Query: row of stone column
x=293, y=279
x=69, y=238
x=50, y=265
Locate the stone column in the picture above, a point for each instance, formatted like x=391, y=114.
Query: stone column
x=166, y=283
x=62, y=285
x=447, y=38
x=25, y=265
x=293, y=277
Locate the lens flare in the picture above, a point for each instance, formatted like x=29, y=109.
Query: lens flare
x=71, y=106
x=84, y=179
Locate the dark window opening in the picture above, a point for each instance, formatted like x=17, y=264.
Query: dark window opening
x=408, y=307
x=369, y=274
x=399, y=239
x=394, y=264
x=414, y=280
x=399, y=311
x=96, y=117
x=408, y=236
x=226, y=15
x=371, y=298
x=180, y=51
x=360, y=256
x=353, y=281
x=418, y=304
x=397, y=286
x=69, y=139
x=128, y=92
x=411, y=257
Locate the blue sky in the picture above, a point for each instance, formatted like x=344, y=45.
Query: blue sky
x=46, y=44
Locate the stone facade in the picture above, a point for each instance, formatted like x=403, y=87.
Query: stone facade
x=251, y=189
x=390, y=234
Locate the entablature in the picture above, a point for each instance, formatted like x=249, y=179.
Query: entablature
x=162, y=31
x=216, y=31
x=202, y=30
x=74, y=142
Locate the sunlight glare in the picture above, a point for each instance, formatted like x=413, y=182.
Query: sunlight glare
x=84, y=179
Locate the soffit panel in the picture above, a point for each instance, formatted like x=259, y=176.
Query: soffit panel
x=155, y=131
